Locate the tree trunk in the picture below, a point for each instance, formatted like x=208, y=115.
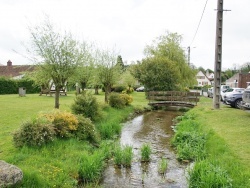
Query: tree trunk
x=96, y=90
x=57, y=95
x=106, y=94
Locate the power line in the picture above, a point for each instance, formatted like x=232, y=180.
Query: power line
x=199, y=23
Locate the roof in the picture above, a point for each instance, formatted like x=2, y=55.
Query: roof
x=14, y=70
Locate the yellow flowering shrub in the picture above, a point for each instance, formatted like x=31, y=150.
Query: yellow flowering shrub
x=64, y=122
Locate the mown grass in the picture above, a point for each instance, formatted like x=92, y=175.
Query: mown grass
x=227, y=151
x=60, y=163
x=57, y=164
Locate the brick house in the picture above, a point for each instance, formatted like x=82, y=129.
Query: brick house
x=241, y=80
x=14, y=71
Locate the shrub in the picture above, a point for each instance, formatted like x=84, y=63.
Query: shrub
x=116, y=101
x=36, y=132
x=86, y=130
x=208, y=174
x=119, y=89
x=145, y=153
x=128, y=90
x=64, y=122
x=86, y=105
x=127, y=98
x=91, y=167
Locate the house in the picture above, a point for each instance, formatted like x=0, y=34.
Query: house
x=202, y=79
x=241, y=80
x=14, y=71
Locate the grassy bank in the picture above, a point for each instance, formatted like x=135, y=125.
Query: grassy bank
x=61, y=163
x=225, y=154
x=58, y=164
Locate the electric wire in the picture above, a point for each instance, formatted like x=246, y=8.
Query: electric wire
x=199, y=23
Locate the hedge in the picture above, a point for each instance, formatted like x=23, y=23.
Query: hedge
x=11, y=86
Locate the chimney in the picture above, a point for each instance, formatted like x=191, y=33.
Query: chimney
x=9, y=63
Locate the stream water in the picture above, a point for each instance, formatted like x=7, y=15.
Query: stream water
x=155, y=129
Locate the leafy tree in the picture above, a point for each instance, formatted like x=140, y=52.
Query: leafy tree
x=108, y=71
x=245, y=68
x=56, y=54
x=157, y=73
x=167, y=49
x=120, y=63
x=85, y=68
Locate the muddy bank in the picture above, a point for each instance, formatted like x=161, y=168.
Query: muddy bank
x=153, y=128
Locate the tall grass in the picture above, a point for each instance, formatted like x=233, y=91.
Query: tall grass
x=145, y=152
x=123, y=156
x=162, y=166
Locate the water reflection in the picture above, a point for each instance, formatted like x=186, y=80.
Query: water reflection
x=153, y=128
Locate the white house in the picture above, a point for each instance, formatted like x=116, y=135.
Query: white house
x=202, y=79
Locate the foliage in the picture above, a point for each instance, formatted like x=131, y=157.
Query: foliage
x=108, y=71
x=208, y=174
x=165, y=67
x=157, y=73
x=162, y=166
x=57, y=55
x=86, y=130
x=36, y=132
x=116, y=101
x=86, y=105
x=188, y=140
x=145, y=152
x=123, y=156
x=127, y=98
x=64, y=123
x=119, y=88
x=91, y=167
x=10, y=86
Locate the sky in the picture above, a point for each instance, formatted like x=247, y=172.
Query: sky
x=129, y=25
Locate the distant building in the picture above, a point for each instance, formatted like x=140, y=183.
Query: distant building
x=202, y=79
x=14, y=71
x=241, y=80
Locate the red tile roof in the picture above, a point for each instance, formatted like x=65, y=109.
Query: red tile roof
x=14, y=70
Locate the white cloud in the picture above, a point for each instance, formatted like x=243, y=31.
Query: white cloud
x=129, y=25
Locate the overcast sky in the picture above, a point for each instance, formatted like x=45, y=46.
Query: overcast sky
x=129, y=25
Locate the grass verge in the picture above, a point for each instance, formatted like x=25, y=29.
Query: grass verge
x=224, y=160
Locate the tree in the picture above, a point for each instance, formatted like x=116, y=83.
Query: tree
x=120, y=63
x=167, y=49
x=157, y=74
x=85, y=69
x=108, y=71
x=56, y=54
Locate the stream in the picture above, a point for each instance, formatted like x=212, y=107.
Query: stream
x=155, y=129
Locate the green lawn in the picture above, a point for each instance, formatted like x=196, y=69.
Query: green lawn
x=57, y=162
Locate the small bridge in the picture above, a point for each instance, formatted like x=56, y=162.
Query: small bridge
x=173, y=98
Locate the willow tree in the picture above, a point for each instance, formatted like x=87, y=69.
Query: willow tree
x=56, y=54
x=168, y=49
x=107, y=70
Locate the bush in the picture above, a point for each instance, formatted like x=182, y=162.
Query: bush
x=119, y=89
x=116, y=101
x=128, y=90
x=64, y=123
x=34, y=133
x=86, y=130
x=127, y=98
x=119, y=100
x=86, y=105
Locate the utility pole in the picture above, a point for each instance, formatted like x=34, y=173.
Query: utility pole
x=218, y=56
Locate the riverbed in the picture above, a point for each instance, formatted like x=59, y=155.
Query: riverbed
x=153, y=128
